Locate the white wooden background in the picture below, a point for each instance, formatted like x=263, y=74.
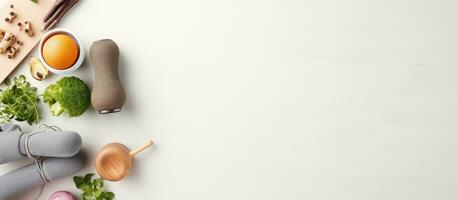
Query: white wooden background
x=277, y=99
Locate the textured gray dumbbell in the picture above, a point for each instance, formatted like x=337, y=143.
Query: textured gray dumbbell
x=47, y=143
x=61, y=148
x=23, y=179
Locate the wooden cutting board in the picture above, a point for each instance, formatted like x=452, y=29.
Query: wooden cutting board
x=26, y=10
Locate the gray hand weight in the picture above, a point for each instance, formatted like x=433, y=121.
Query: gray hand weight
x=46, y=143
x=108, y=95
x=24, y=179
x=61, y=147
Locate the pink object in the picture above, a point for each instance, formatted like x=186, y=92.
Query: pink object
x=62, y=195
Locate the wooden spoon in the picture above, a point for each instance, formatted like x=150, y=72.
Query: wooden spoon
x=114, y=160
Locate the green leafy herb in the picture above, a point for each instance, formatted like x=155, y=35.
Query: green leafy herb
x=34, y=1
x=92, y=188
x=19, y=101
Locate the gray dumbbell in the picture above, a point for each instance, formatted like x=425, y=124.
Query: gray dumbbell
x=47, y=143
x=61, y=147
x=24, y=179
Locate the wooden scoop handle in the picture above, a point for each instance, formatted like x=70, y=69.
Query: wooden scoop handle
x=142, y=148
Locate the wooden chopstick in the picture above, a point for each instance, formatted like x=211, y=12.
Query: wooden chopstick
x=58, y=16
x=57, y=4
x=53, y=17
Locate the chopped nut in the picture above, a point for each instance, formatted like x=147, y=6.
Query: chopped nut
x=19, y=24
x=6, y=42
x=28, y=28
x=10, y=17
x=11, y=52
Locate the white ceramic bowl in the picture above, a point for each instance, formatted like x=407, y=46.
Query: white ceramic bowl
x=78, y=62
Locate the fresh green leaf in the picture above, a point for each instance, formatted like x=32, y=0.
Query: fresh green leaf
x=78, y=181
x=92, y=188
x=19, y=101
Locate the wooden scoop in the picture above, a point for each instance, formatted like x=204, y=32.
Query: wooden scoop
x=114, y=160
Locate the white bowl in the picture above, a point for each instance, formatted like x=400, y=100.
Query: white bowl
x=75, y=65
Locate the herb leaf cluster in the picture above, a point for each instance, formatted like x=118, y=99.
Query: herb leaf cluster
x=92, y=188
x=19, y=101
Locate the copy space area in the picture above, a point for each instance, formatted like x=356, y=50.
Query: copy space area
x=275, y=99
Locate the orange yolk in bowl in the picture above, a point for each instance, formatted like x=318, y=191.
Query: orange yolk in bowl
x=60, y=51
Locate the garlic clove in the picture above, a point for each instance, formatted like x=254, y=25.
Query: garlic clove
x=37, y=70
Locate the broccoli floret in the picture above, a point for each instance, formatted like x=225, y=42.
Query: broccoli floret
x=69, y=94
